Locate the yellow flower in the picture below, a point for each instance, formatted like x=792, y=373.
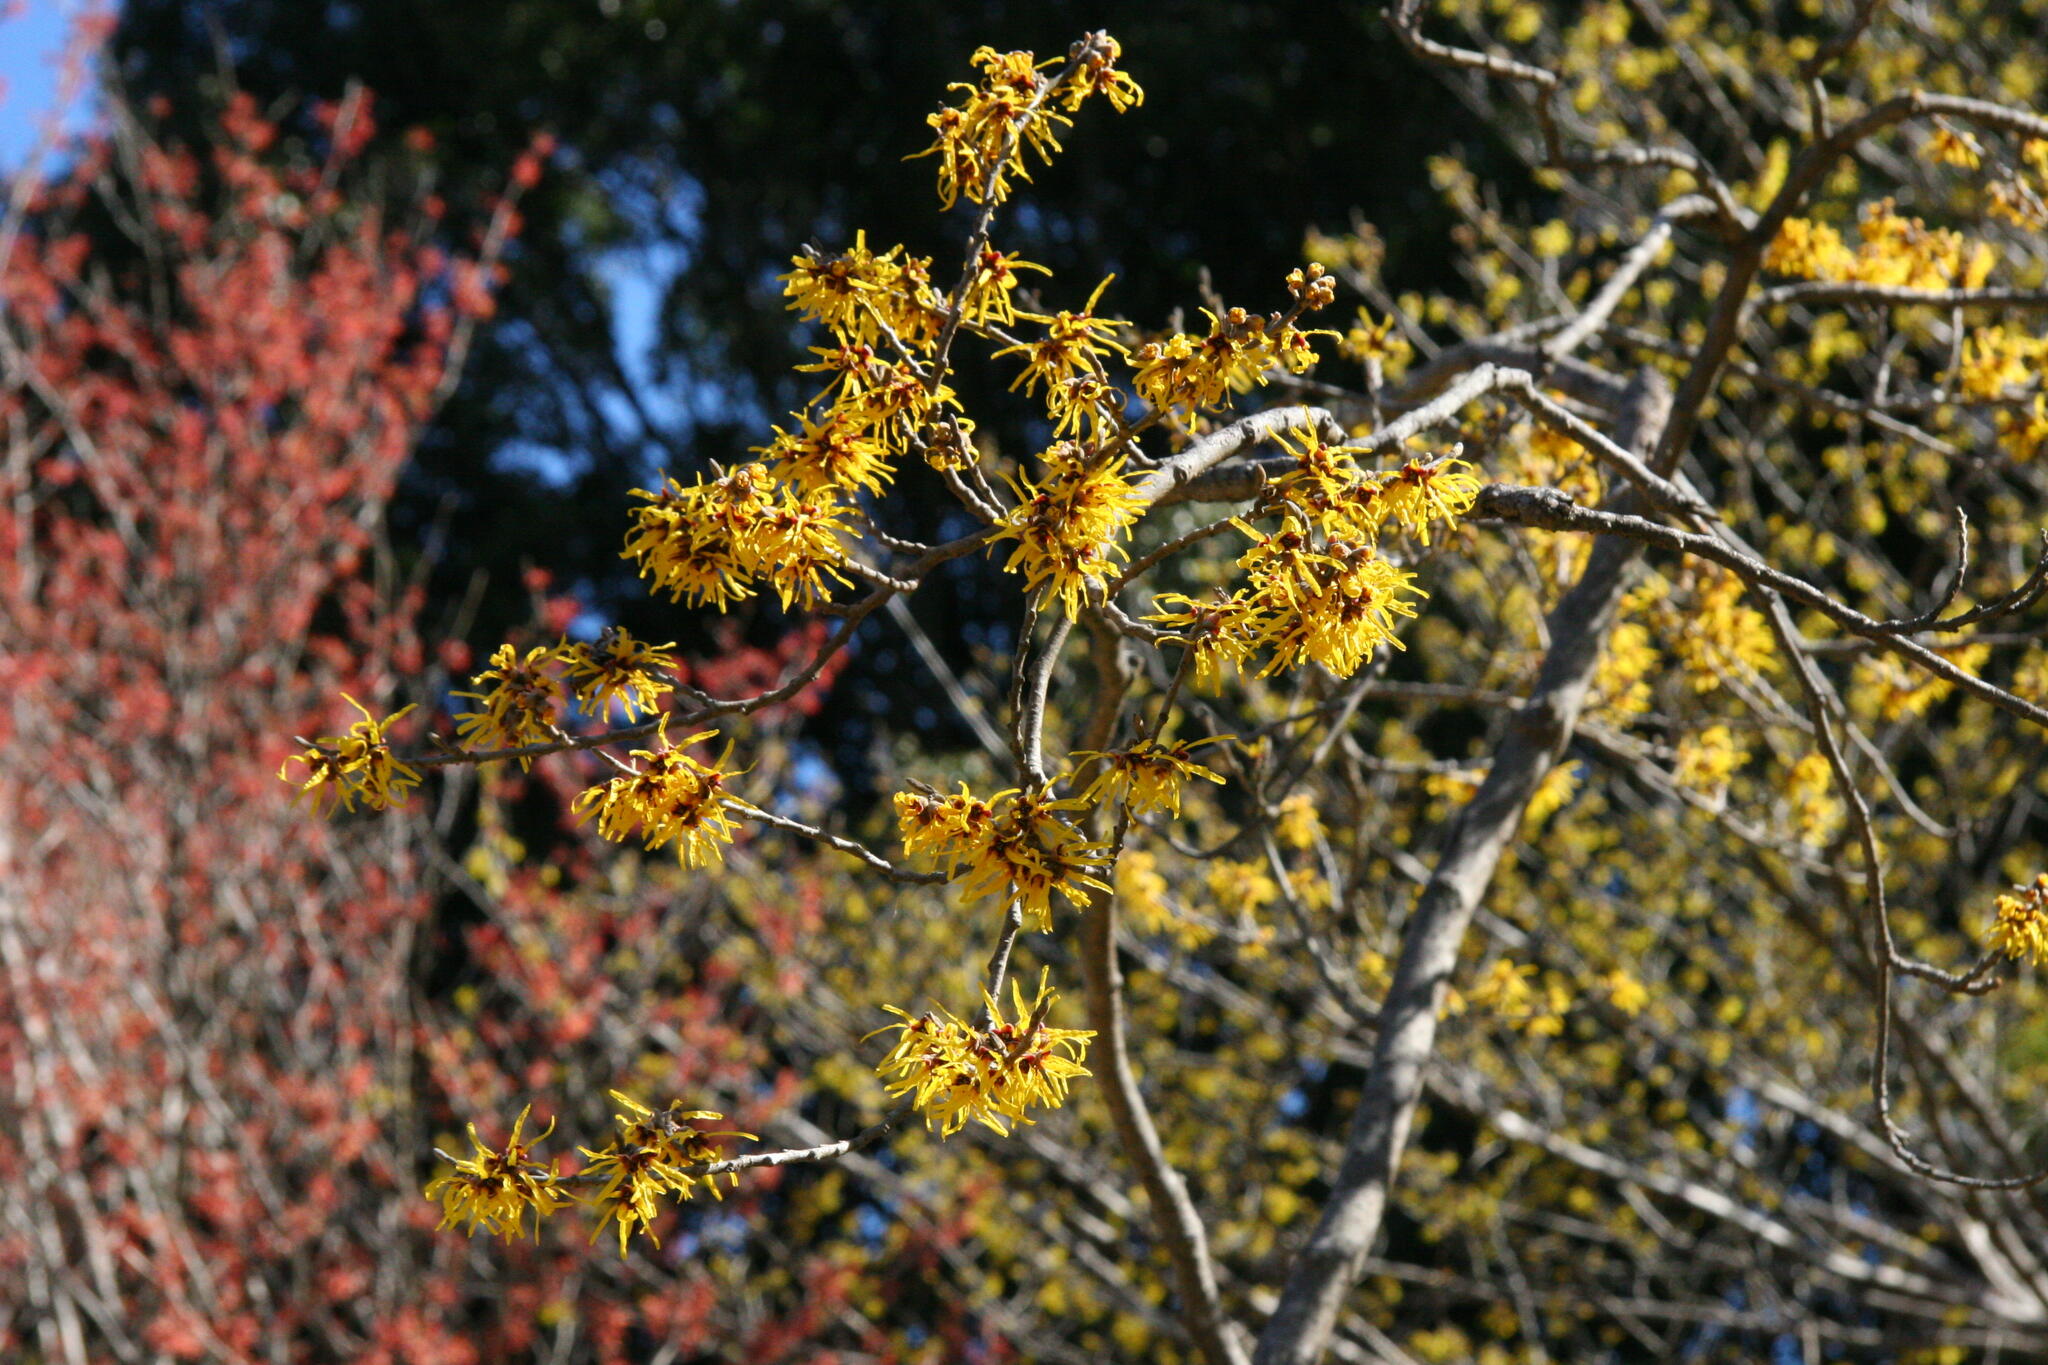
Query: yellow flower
x=1141, y=894
x=854, y=369
x=1086, y=408
x=992, y=1076
x=357, y=766
x=1707, y=760
x=839, y=452
x=987, y=301
x=1625, y=993
x=656, y=1153
x=1148, y=775
x=1074, y=345
x=1809, y=789
x=1299, y=825
x=1016, y=843
x=669, y=798
x=1420, y=493
x=709, y=542
x=1067, y=526
x=1381, y=341
x=981, y=142
x=1558, y=787
x=1951, y=148
x=1506, y=990
x=518, y=706
x=495, y=1189
x=619, y=667
x=1219, y=631
x=1098, y=76
x=2021, y=929
x=1551, y=240
x=855, y=293
x=1245, y=888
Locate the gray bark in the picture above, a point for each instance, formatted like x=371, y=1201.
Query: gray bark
x=1299, y=1330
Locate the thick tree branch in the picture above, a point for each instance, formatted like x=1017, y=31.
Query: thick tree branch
x=1328, y=1265
x=1174, y=1216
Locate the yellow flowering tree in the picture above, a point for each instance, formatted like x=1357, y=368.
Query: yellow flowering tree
x=1486, y=755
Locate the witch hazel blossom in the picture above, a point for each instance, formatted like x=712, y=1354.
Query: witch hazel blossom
x=804, y=525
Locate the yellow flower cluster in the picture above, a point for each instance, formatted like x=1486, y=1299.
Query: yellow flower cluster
x=1995, y=360
x=619, y=668
x=889, y=402
x=1895, y=251
x=519, y=696
x=1707, y=760
x=1243, y=888
x=1319, y=590
x=1186, y=373
x=494, y=1189
x=358, y=766
x=1510, y=993
x=2018, y=196
x=1298, y=825
x=1349, y=504
x=1809, y=790
x=836, y=452
x=1885, y=686
x=1558, y=787
x=1951, y=148
x=877, y=408
x=1148, y=775
x=656, y=1153
x=1017, y=843
x=1621, y=687
x=669, y=797
x=958, y=1075
x=2021, y=929
x=1706, y=624
x=1333, y=606
x=709, y=542
x=1141, y=895
x=520, y=693
x=2024, y=434
x=1625, y=993
x=1074, y=346
x=981, y=142
x=1551, y=459
x=1068, y=359
x=857, y=294
x=1067, y=525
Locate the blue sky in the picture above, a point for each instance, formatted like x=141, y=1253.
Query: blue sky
x=30, y=44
